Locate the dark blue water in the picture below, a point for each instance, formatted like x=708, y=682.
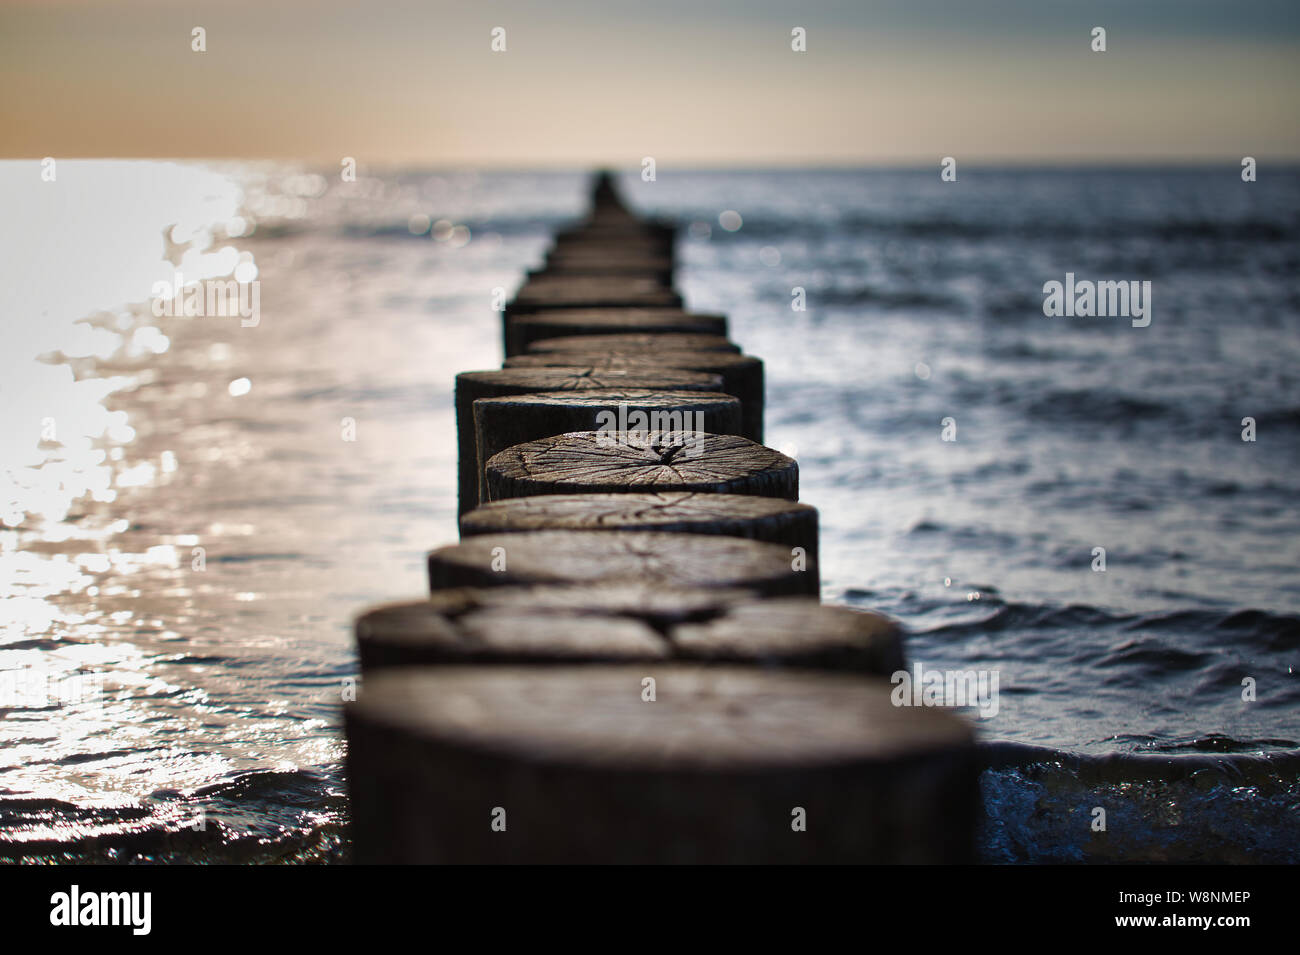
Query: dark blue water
x=1120, y=689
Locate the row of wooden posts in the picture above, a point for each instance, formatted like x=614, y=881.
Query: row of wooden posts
x=625, y=658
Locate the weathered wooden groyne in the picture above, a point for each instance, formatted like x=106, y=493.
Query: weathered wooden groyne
x=625, y=658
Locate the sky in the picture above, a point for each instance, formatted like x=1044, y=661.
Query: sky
x=688, y=82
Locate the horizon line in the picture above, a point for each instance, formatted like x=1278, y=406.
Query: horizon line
x=1117, y=162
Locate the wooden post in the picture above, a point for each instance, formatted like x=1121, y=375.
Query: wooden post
x=500, y=423
x=471, y=385
x=621, y=236
x=661, y=559
x=625, y=659
x=593, y=462
x=742, y=375
x=658, y=270
x=633, y=341
x=599, y=263
x=425, y=631
x=654, y=763
x=794, y=631
x=770, y=519
x=552, y=292
x=522, y=330
x=468, y=626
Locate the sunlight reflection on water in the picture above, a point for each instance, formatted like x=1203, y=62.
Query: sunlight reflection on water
x=56, y=291
x=183, y=534
x=74, y=688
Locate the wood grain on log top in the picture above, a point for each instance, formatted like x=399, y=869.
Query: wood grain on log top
x=633, y=341
x=583, y=769
x=445, y=632
x=795, y=632
x=522, y=330
x=641, y=600
x=659, y=559
x=472, y=385
x=500, y=423
x=427, y=630
x=770, y=519
x=582, y=378
x=707, y=718
x=614, y=356
x=594, y=462
x=742, y=375
x=470, y=627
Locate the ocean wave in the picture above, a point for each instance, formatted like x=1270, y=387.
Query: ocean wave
x=934, y=225
x=1043, y=805
x=269, y=816
x=1097, y=406
x=886, y=297
x=1270, y=631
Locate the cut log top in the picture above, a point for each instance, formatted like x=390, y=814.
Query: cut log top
x=466, y=630
x=658, y=271
x=596, y=262
x=596, y=248
x=715, y=718
x=524, y=329
x=770, y=519
x=626, y=319
x=657, y=559
x=657, y=605
x=633, y=341
x=615, y=248
x=591, y=246
x=549, y=285
x=616, y=235
x=675, y=509
x=522, y=635
x=654, y=228
x=500, y=423
x=469, y=626
x=714, y=767
x=433, y=629
x=472, y=385
x=742, y=375
x=588, y=290
x=607, y=208
x=614, y=461
x=605, y=398
x=718, y=361
x=796, y=632
x=505, y=381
